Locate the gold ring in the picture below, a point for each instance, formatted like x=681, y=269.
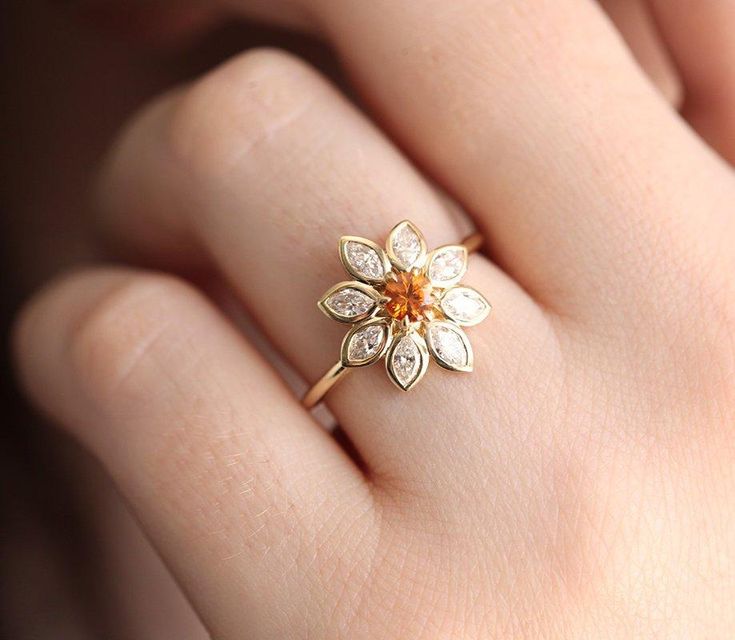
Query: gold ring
x=405, y=304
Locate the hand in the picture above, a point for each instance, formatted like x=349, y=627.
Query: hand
x=577, y=484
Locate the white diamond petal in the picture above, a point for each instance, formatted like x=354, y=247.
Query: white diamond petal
x=406, y=246
x=363, y=259
x=447, y=265
x=407, y=360
x=465, y=306
x=349, y=301
x=449, y=346
x=366, y=343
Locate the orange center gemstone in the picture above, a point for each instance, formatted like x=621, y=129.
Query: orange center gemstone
x=410, y=295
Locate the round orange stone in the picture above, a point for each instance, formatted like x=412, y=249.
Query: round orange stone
x=410, y=295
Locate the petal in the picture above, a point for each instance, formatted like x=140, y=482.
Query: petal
x=406, y=246
x=363, y=259
x=350, y=302
x=464, y=305
x=447, y=265
x=407, y=360
x=449, y=346
x=366, y=343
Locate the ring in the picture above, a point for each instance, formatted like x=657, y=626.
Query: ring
x=405, y=304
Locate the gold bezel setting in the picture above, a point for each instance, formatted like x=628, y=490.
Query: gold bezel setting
x=381, y=259
x=328, y=301
x=462, y=358
x=406, y=305
x=372, y=356
x=399, y=246
x=420, y=354
x=471, y=317
x=456, y=269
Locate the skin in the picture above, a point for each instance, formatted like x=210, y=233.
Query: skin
x=579, y=483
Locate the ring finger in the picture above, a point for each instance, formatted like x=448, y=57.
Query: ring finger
x=262, y=166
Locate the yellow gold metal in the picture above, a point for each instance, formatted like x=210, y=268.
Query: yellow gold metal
x=421, y=352
x=380, y=255
x=460, y=321
x=403, y=262
x=385, y=335
x=441, y=324
x=473, y=242
x=314, y=395
x=411, y=256
x=368, y=291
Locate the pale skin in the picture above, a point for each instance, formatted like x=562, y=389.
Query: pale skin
x=579, y=483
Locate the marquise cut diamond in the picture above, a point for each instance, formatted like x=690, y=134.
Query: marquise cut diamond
x=406, y=245
x=448, y=346
x=464, y=305
x=364, y=260
x=406, y=360
x=349, y=303
x=366, y=342
x=447, y=264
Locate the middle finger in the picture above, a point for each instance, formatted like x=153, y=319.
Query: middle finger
x=590, y=187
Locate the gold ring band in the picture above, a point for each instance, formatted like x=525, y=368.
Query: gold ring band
x=336, y=373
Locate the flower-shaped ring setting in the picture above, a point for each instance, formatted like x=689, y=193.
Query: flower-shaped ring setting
x=404, y=304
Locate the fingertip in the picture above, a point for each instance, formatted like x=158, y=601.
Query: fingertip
x=40, y=330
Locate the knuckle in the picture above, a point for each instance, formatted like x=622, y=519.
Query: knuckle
x=235, y=108
x=116, y=347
